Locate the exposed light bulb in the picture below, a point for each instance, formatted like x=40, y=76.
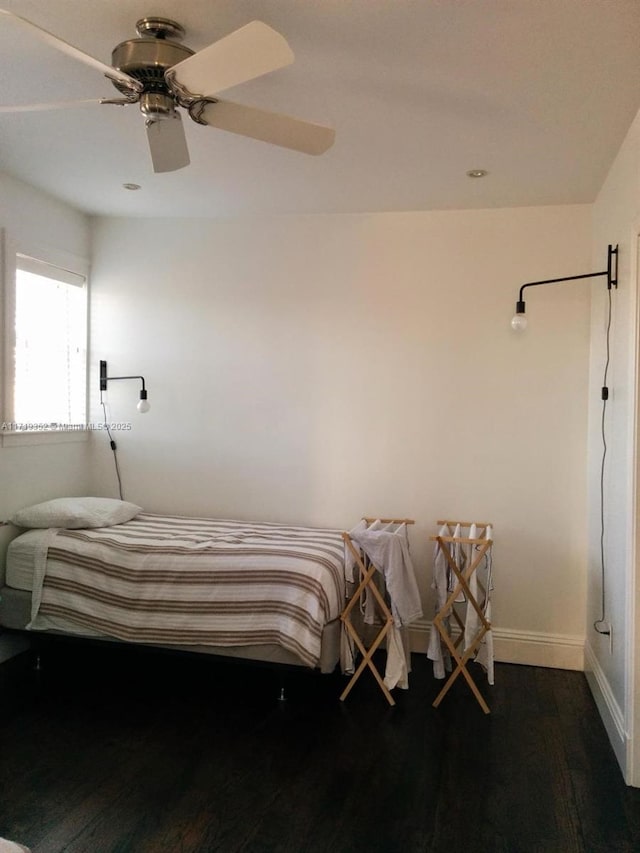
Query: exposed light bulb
x=144, y=405
x=519, y=322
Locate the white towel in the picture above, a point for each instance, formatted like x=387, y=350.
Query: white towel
x=459, y=555
x=472, y=621
x=398, y=666
x=484, y=655
x=388, y=550
x=349, y=559
x=437, y=650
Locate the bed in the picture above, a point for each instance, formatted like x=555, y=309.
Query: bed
x=262, y=591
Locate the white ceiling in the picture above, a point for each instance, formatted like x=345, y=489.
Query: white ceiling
x=540, y=93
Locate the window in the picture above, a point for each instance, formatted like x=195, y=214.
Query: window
x=47, y=352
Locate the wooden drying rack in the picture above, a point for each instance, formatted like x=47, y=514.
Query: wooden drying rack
x=367, y=571
x=463, y=577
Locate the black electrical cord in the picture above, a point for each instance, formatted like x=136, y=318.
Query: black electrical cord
x=605, y=397
x=113, y=446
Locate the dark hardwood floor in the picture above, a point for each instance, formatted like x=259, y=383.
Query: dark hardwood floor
x=112, y=749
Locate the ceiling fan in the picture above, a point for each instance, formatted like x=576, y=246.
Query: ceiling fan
x=160, y=74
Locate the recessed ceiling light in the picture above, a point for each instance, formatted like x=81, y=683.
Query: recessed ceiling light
x=477, y=173
x=131, y=186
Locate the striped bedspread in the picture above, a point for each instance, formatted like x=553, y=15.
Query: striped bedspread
x=193, y=581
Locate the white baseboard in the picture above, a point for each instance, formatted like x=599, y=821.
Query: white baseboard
x=555, y=651
x=609, y=710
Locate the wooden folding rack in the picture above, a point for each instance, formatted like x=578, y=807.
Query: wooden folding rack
x=367, y=571
x=463, y=575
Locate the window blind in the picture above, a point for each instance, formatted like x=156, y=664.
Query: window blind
x=50, y=345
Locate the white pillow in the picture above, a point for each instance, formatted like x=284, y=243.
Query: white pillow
x=73, y=513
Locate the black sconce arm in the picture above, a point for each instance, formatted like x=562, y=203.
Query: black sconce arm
x=611, y=273
x=113, y=378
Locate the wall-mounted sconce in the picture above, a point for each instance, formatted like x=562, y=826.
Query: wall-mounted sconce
x=519, y=321
x=143, y=406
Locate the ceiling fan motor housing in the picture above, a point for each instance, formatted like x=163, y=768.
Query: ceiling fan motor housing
x=147, y=59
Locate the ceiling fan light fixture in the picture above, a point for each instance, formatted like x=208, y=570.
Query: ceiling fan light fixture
x=156, y=105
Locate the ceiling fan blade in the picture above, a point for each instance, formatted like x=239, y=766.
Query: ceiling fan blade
x=167, y=144
x=75, y=53
x=266, y=126
x=57, y=105
x=249, y=52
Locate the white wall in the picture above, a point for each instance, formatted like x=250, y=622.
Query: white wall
x=616, y=220
x=315, y=369
x=31, y=473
